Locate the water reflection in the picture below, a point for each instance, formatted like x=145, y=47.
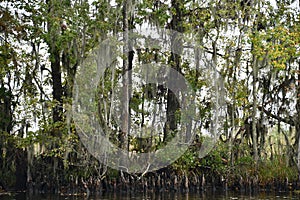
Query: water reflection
x=158, y=196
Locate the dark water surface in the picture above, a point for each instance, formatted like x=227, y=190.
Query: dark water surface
x=159, y=196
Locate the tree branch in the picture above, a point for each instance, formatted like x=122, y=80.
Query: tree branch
x=288, y=120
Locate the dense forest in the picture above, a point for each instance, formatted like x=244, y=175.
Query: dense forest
x=241, y=125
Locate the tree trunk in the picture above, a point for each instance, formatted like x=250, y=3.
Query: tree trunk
x=124, y=144
x=54, y=32
x=57, y=85
x=21, y=170
x=172, y=101
x=57, y=89
x=297, y=121
x=254, y=111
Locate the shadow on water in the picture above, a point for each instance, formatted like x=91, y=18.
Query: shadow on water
x=159, y=196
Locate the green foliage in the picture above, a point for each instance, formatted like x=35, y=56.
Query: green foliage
x=278, y=44
x=188, y=161
x=276, y=170
x=217, y=160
